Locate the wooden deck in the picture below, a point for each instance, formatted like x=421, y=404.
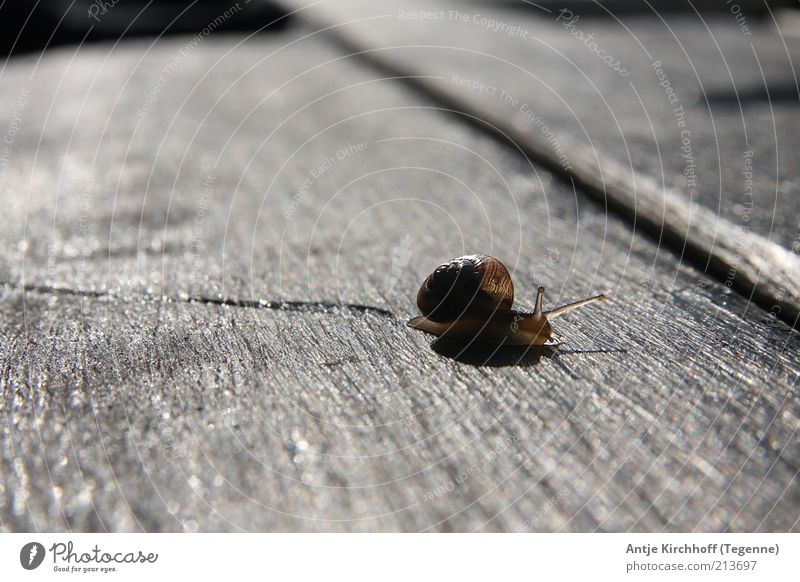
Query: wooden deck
x=210, y=253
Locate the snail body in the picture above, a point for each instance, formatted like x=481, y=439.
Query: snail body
x=471, y=298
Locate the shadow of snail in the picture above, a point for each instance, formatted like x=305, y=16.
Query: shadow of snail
x=484, y=354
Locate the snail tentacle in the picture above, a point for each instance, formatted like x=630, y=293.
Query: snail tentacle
x=570, y=306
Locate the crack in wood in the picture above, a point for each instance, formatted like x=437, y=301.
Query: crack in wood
x=274, y=305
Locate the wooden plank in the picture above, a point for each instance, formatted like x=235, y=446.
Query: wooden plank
x=689, y=132
x=127, y=406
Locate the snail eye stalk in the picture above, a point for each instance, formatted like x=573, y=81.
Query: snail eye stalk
x=570, y=306
x=537, y=310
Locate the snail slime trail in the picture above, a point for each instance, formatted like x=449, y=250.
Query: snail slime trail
x=472, y=298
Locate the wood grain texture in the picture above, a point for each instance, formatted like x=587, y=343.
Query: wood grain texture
x=689, y=129
x=291, y=395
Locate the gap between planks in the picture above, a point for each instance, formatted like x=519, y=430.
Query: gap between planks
x=322, y=306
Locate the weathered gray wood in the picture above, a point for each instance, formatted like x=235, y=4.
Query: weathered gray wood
x=708, y=168
x=672, y=407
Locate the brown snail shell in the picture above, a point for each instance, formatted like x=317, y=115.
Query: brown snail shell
x=469, y=283
x=472, y=297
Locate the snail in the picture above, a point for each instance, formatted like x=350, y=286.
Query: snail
x=471, y=297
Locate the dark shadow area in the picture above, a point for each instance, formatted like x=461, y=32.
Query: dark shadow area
x=30, y=27
x=605, y=8
x=780, y=94
x=482, y=354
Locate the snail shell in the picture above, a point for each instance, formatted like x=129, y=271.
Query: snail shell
x=464, y=285
x=472, y=297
